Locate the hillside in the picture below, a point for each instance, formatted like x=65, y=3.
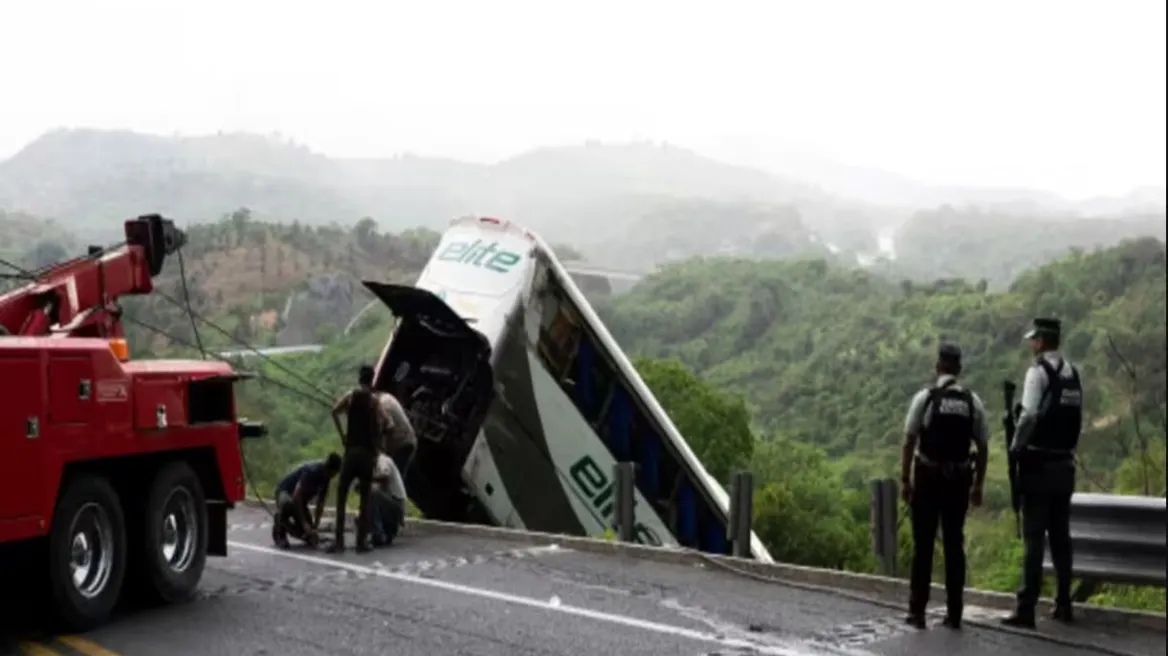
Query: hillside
x=826, y=359
x=998, y=247
x=828, y=356
x=82, y=176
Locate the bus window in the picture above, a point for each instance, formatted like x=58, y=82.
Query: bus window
x=687, y=516
x=558, y=337
x=603, y=381
x=619, y=422
x=646, y=447
x=713, y=532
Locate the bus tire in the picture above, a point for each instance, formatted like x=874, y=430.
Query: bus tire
x=174, y=535
x=87, y=553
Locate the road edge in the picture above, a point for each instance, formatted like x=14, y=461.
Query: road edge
x=882, y=587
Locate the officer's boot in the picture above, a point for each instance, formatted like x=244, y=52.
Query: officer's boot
x=952, y=618
x=1063, y=613
x=1020, y=619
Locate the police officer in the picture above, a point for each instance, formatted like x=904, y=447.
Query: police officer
x=1044, y=446
x=943, y=422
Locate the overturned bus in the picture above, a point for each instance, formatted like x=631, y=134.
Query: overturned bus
x=523, y=402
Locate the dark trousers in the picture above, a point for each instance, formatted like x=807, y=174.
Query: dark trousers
x=288, y=518
x=940, y=497
x=1046, y=511
x=388, y=517
x=357, y=465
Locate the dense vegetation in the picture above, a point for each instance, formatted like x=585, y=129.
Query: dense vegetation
x=801, y=371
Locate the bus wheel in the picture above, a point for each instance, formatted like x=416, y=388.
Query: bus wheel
x=87, y=553
x=175, y=534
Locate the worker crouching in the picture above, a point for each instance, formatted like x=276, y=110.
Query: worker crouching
x=387, y=502
x=307, y=481
x=943, y=422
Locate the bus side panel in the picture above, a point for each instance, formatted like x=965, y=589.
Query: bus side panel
x=482, y=475
x=515, y=436
x=579, y=452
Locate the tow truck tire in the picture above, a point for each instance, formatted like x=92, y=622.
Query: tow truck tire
x=174, y=535
x=87, y=553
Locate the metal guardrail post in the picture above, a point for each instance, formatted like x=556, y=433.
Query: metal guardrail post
x=883, y=520
x=741, y=513
x=624, y=518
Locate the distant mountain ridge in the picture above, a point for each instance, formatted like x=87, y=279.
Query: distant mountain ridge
x=78, y=174
x=633, y=204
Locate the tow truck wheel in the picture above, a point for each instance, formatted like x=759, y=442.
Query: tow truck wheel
x=87, y=553
x=175, y=534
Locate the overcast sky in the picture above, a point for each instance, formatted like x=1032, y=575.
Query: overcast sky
x=1062, y=95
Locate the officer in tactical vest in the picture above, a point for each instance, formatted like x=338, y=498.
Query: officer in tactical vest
x=365, y=421
x=944, y=421
x=1044, y=446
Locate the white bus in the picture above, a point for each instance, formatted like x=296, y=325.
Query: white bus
x=523, y=402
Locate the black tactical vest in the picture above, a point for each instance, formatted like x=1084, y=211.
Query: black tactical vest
x=949, y=434
x=363, y=429
x=1059, y=426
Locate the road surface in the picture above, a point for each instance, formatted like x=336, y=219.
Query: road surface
x=452, y=594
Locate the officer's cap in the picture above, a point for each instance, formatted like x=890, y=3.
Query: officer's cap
x=949, y=351
x=1044, y=327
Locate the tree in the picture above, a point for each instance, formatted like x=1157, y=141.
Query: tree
x=716, y=425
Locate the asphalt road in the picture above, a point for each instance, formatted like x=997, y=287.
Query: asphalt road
x=449, y=594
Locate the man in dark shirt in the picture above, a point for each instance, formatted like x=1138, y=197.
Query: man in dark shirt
x=365, y=422
x=309, y=480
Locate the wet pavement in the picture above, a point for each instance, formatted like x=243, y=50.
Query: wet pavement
x=455, y=594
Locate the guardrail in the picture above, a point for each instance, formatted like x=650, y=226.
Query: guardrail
x=738, y=526
x=1117, y=539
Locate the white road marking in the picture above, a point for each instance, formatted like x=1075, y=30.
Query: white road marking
x=495, y=595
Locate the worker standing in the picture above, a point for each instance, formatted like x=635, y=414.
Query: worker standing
x=365, y=421
x=400, y=440
x=943, y=422
x=1044, y=444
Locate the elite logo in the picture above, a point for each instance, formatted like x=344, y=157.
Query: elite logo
x=481, y=255
x=591, y=480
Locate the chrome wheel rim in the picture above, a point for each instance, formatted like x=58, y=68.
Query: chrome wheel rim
x=91, y=553
x=179, y=530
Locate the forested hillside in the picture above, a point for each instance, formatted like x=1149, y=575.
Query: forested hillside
x=804, y=370
x=1000, y=246
x=829, y=356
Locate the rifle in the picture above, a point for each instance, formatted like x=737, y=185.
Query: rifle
x=1009, y=423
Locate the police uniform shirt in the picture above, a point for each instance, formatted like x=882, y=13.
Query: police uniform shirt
x=917, y=419
x=1033, y=389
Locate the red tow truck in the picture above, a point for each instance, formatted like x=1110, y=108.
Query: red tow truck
x=115, y=475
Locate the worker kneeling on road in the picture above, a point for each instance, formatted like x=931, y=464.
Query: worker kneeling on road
x=388, y=501
x=943, y=423
x=309, y=480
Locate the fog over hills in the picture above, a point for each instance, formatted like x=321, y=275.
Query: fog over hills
x=631, y=204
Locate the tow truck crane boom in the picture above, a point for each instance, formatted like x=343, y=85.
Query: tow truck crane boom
x=78, y=298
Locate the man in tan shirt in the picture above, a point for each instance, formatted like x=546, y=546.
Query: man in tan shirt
x=400, y=442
